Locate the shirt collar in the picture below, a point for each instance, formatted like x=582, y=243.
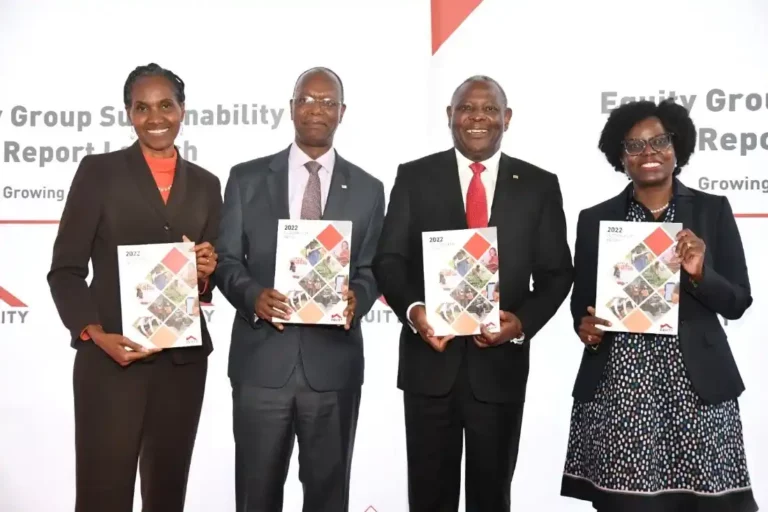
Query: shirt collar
x=298, y=158
x=491, y=164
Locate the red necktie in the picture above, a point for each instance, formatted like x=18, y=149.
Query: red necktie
x=477, y=203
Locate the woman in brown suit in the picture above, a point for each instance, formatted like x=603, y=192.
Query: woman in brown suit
x=138, y=406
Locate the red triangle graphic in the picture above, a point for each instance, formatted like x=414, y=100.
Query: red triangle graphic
x=447, y=16
x=11, y=300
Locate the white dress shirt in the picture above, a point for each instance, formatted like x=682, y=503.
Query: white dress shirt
x=489, y=177
x=298, y=176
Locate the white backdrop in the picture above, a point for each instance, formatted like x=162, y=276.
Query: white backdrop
x=562, y=66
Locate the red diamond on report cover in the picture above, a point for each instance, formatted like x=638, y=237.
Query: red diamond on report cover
x=330, y=237
x=476, y=246
x=658, y=241
x=175, y=260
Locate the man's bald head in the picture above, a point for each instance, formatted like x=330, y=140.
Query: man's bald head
x=479, y=78
x=319, y=70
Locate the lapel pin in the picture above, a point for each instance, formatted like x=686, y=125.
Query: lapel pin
x=344, y=186
x=514, y=176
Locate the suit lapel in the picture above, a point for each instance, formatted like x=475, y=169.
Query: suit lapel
x=509, y=186
x=618, y=206
x=448, y=175
x=684, y=207
x=277, y=183
x=141, y=175
x=178, y=193
x=686, y=213
x=338, y=191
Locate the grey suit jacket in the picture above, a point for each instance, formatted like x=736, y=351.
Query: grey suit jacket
x=255, y=198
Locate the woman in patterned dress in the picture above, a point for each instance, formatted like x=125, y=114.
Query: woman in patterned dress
x=655, y=424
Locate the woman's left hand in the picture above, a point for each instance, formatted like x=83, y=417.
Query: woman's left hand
x=690, y=250
x=206, y=259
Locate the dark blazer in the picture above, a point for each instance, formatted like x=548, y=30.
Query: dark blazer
x=255, y=198
x=528, y=213
x=724, y=290
x=114, y=200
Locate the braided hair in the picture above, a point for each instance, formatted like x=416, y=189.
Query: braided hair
x=152, y=70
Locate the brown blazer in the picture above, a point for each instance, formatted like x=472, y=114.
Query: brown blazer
x=114, y=200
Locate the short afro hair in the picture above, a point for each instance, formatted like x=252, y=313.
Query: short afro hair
x=673, y=117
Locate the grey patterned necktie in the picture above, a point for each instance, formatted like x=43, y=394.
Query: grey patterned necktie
x=311, y=208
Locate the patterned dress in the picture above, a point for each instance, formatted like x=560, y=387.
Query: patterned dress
x=647, y=442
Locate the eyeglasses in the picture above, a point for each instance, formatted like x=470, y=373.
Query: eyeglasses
x=325, y=103
x=658, y=143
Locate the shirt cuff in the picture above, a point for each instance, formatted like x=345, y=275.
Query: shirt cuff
x=84, y=334
x=408, y=315
x=518, y=341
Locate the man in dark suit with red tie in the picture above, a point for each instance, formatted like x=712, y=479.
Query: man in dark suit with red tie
x=471, y=388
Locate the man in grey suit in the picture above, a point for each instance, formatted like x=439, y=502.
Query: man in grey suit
x=288, y=380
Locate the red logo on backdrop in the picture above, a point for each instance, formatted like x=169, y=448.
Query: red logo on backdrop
x=10, y=299
x=12, y=310
x=447, y=16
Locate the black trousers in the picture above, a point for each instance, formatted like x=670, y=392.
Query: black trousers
x=266, y=421
x=436, y=428
x=145, y=414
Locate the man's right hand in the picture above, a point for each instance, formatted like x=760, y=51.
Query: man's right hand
x=116, y=345
x=418, y=319
x=273, y=304
x=588, y=330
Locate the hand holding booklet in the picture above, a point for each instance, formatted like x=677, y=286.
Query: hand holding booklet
x=461, y=278
x=159, y=297
x=312, y=269
x=638, y=279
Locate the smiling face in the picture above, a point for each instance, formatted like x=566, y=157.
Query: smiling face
x=155, y=114
x=649, y=156
x=478, y=118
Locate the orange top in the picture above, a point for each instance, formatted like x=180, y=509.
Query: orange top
x=163, y=171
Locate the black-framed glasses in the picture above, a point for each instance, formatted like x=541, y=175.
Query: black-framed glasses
x=657, y=143
x=325, y=103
